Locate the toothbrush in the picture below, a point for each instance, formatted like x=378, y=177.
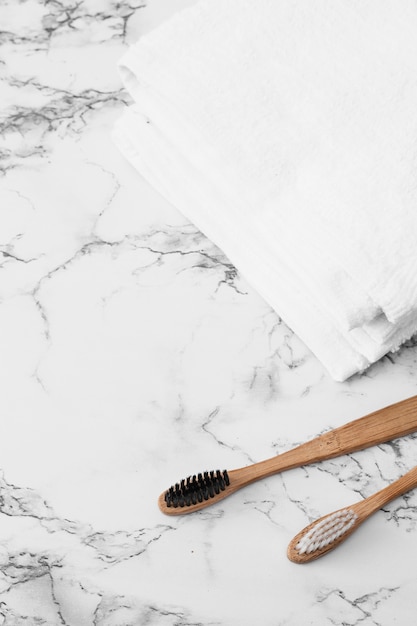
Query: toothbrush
x=330, y=531
x=201, y=490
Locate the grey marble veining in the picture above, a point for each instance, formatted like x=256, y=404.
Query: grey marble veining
x=132, y=354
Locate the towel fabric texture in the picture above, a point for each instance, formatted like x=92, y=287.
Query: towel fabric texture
x=286, y=130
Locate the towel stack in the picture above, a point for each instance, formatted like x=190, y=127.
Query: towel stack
x=286, y=130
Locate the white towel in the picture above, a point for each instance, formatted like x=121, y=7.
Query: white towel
x=286, y=130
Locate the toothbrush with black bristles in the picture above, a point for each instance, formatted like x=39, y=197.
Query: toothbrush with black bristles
x=206, y=488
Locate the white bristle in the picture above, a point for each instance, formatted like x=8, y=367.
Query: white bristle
x=326, y=531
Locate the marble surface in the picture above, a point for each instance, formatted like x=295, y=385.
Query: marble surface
x=133, y=354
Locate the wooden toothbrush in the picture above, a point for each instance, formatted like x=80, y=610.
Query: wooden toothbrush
x=330, y=531
x=201, y=490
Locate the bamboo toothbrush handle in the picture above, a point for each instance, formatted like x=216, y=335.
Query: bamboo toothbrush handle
x=385, y=495
x=396, y=420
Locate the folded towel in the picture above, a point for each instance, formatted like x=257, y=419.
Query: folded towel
x=286, y=131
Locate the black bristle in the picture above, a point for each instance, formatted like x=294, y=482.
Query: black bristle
x=197, y=488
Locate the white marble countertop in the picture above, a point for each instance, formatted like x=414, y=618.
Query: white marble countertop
x=134, y=354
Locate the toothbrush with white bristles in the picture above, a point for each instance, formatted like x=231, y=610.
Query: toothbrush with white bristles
x=328, y=532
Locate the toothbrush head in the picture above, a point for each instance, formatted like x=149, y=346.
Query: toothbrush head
x=192, y=493
x=323, y=535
